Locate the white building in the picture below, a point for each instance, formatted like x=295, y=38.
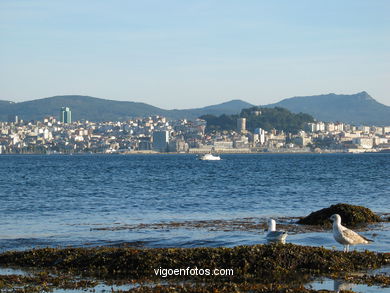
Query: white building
x=261, y=135
x=364, y=142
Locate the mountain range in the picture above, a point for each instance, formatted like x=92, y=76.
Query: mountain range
x=358, y=108
x=96, y=109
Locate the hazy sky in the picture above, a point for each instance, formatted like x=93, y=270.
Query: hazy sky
x=190, y=53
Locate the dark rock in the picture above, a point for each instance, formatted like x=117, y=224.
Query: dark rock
x=351, y=216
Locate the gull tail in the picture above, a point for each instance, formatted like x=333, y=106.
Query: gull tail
x=368, y=240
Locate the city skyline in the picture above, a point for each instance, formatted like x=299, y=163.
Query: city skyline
x=156, y=134
x=188, y=54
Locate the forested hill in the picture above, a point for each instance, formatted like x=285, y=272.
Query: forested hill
x=256, y=117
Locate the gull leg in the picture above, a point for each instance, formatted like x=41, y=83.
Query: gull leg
x=347, y=247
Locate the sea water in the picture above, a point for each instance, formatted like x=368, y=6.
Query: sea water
x=60, y=200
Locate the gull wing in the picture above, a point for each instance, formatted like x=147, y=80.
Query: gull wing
x=354, y=237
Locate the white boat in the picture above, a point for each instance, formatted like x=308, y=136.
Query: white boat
x=209, y=157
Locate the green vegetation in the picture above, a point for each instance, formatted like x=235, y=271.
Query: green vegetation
x=270, y=118
x=220, y=123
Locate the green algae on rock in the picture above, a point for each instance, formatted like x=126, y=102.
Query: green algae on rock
x=42, y=282
x=259, y=268
x=272, y=262
x=351, y=216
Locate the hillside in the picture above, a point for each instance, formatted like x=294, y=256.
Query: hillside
x=95, y=109
x=83, y=107
x=231, y=107
x=5, y=103
x=358, y=108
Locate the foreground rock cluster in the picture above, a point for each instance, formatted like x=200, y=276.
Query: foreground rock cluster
x=258, y=268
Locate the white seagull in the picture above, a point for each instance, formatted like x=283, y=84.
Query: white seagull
x=273, y=235
x=346, y=236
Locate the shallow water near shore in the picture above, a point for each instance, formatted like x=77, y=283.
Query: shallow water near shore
x=102, y=287
x=61, y=200
x=337, y=286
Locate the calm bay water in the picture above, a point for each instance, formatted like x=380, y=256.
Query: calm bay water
x=60, y=200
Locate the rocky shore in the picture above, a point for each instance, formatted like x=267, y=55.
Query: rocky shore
x=254, y=268
x=258, y=268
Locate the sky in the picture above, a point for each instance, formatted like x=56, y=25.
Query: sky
x=193, y=53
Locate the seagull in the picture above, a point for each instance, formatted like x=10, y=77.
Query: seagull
x=341, y=285
x=346, y=236
x=273, y=235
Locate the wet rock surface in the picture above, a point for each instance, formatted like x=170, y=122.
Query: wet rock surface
x=257, y=268
x=252, y=262
x=351, y=216
x=241, y=224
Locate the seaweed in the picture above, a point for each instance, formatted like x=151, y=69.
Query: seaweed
x=273, y=262
x=257, y=268
x=43, y=282
x=351, y=216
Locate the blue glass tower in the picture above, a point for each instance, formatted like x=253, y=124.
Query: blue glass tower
x=66, y=115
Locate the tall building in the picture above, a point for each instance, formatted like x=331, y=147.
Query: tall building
x=160, y=140
x=66, y=115
x=261, y=135
x=241, y=124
